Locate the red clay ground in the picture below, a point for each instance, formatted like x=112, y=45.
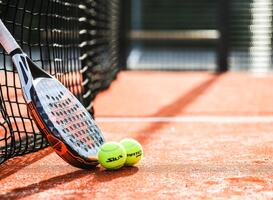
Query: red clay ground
x=192, y=158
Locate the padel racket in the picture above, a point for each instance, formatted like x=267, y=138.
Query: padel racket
x=67, y=125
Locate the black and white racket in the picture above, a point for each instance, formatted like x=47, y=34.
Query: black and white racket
x=58, y=114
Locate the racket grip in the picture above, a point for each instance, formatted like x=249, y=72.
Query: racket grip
x=6, y=39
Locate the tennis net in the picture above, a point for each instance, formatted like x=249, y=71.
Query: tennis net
x=75, y=41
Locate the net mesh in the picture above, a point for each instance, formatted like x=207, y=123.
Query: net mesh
x=77, y=42
x=99, y=45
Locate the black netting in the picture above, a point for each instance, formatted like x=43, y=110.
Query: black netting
x=76, y=41
x=99, y=44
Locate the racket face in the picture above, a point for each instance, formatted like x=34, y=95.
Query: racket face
x=66, y=118
x=68, y=126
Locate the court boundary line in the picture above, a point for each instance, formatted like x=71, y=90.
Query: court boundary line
x=189, y=119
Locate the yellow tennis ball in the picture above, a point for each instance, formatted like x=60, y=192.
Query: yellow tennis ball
x=133, y=149
x=112, y=155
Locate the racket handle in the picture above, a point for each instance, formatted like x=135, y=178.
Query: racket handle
x=6, y=39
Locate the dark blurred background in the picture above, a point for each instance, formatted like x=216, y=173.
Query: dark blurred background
x=199, y=35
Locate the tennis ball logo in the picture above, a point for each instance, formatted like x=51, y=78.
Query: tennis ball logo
x=113, y=159
x=134, y=151
x=136, y=154
x=112, y=155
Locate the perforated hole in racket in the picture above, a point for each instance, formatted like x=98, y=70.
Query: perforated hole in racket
x=71, y=120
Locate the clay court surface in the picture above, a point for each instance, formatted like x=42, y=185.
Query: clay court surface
x=205, y=136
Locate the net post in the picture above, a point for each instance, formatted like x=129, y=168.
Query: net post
x=223, y=43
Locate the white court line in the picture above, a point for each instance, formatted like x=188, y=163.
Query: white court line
x=190, y=119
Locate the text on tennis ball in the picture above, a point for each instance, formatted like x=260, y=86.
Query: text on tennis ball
x=137, y=154
x=112, y=159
